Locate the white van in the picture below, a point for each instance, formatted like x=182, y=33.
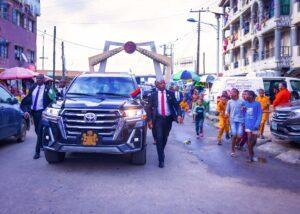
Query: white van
x=249, y=83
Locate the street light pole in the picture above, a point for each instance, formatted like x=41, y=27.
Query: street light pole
x=198, y=45
x=218, y=43
x=198, y=40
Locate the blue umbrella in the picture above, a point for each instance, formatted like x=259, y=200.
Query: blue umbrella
x=186, y=75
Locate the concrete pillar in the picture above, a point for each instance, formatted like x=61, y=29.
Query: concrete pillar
x=293, y=36
x=242, y=55
x=241, y=25
x=277, y=9
x=261, y=11
x=277, y=45
x=261, y=47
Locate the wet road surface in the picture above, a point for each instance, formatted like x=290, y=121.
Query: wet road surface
x=198, y=178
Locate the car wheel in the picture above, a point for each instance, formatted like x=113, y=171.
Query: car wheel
x=139, y=158
x=23, y=130
x=54, y=157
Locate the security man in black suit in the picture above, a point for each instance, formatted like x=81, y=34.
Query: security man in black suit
x=34, y=104
x=162, y=110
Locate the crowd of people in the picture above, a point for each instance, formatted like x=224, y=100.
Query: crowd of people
x=241, y=119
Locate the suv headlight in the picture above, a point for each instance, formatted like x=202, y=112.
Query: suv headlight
x=295, y=113
x=51, y=113
x=134, y=114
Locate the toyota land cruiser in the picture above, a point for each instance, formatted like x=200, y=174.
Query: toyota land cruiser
x=97, y=115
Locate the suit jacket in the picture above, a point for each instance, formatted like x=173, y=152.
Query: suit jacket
x=152, y=109
x=27, y=101
x=180, y=96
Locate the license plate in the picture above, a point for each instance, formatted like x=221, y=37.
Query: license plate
x=274, y=126
x=89, y=138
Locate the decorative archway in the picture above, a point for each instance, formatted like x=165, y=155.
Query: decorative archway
x=130, y=48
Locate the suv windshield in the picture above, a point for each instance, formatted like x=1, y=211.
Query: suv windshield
x=122, y=86
x=295, y=84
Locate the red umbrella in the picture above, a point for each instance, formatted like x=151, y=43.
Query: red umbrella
x=17, y=73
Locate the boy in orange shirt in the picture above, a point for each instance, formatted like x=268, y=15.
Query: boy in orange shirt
x=184, y=107
x=223, y=119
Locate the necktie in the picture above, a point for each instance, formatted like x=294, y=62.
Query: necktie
x=163, y=110
x=36, y=99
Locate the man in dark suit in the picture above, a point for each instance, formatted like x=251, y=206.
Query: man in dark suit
x=34, y=104
x=162, y=110
x=178, y=94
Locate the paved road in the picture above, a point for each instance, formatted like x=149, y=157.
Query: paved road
x=198, y=178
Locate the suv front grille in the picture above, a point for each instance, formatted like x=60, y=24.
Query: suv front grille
x=104, y=125
x=281, y=116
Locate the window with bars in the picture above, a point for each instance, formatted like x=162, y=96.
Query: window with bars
x=18, y=53
x=4, y=10
x=3, y=49
x=16, y=19
x=31, y=56
x=285, y=7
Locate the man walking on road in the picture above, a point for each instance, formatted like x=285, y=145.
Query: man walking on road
x=34, y=104
x=163, y=109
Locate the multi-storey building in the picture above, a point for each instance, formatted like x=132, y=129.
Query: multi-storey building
x=261, y=35
x=18, y=19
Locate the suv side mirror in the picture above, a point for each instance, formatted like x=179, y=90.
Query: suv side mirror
x=12, y=100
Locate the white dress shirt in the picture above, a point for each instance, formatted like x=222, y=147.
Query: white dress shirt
x=40, y=103
x=177, y=95
x=167, y=109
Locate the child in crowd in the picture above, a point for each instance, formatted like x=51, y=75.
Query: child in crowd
x=184, y=107
x=234, y=110
x=253, y=118
x=199, y=113
x=223, y=119
x=244, y=138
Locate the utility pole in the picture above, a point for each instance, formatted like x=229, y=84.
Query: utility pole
x=218, y=42
x=198, y=40
x=63, y=60
x=43, y=52
x=54, y=54
x=204, y=63
x=165, y=53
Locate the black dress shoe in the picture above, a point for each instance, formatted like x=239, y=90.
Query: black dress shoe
x=36, y=156
x=161, y=165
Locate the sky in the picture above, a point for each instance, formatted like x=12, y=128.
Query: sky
x=84, y=26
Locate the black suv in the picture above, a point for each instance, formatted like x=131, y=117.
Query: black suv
x=286, y=122
x=97, y=115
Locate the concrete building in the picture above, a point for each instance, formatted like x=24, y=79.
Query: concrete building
x=18, y=21
x=261, y=35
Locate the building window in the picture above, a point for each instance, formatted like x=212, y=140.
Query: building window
x=3, y=49
x=30, y=25
x=31, y=56
x=25, y=24
x=4, y=10
x=285, y=7
x=16, y=17
x=18, y=53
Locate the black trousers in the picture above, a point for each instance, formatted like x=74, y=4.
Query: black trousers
x=162, y=127
x=37, y=119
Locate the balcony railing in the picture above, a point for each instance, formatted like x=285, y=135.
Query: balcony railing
x=285, y=51
x=255, y=57
x=236, y=64
x=268, y=53
x=247, y=61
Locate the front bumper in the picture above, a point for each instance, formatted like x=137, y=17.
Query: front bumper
x=282, y=132
x=132, y=139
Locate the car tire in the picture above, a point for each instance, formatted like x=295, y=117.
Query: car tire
x=139, y=158
x=54, y=157
x=23, y=130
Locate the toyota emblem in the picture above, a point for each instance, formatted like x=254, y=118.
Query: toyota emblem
x=90, y=117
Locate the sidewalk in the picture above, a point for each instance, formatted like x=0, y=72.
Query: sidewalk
x=281, y=150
